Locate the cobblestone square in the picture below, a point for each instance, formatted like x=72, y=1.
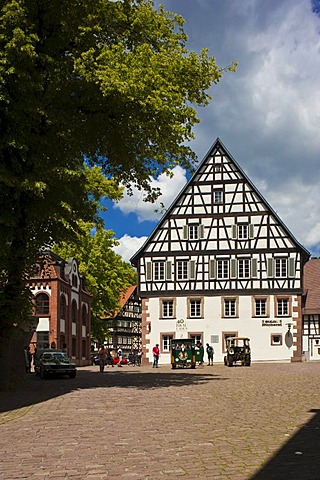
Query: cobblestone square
x=260, y=422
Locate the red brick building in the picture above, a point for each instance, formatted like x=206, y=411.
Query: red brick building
x=62, y=307
x=311, y=310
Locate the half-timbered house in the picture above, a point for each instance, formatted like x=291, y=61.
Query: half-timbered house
x=125, y=326
x=222, y=263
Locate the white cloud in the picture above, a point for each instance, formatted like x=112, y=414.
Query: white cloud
x=128, y=246
x=169, y=186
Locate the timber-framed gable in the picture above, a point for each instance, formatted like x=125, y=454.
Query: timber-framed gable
x=220, y=237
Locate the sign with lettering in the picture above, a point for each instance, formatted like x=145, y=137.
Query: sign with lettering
x=267, y=322
x=181, y=325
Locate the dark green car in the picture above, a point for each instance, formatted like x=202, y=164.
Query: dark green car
x=183, y=353
x=54, y=363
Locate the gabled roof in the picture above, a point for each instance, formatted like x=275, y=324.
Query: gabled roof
x=217, y=145
x=311, y=286
x=124, y=298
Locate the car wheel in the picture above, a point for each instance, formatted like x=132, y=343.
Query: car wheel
x=72, y=374
x=43, y=374
x=230, y=361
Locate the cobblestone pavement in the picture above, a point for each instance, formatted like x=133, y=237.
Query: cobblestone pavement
x=215, y=423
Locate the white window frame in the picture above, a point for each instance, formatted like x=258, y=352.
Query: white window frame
x=159, y=268
x=243, y=231
x=243, y=268
x=283, y=307
x=280, y=267
x=182, y=269
x=166, y=342
x=167, y=308
x=230, y=309
x=222, y=269
x=260, y=307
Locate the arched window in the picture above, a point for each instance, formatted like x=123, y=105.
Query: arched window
x=42, y=304
x=63, y=307
x=84, y=315
x=74, y=311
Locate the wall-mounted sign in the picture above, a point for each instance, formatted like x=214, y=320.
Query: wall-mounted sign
x=181, y=325
x=267, y=322
x=214, y=338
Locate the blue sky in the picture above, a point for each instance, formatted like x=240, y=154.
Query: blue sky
x=267, y=114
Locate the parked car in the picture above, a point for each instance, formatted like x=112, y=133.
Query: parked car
x=238, y=350
x=53, y=362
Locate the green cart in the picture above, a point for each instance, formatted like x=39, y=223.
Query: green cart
x=183, y=353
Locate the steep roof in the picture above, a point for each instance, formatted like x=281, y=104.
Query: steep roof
x=217, y=145
x=312, y=286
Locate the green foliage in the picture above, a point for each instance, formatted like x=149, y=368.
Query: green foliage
x=108, y=81
x=107, y=275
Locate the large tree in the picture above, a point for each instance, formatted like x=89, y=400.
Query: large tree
x=107, y=81
x=107, y=275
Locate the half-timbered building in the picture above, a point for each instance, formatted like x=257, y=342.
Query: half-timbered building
x=222, y=263
x=125, y=326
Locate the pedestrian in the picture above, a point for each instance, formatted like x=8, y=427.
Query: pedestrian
x=109, y=359
x=120, y=355
x=102, y=357
x=139, y=357
x=201, y=353
x=28, y=358
x=210, y=353
x=156, y=355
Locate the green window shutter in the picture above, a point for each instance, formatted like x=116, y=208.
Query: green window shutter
x=201, y=231
x=270, y=267
x=251, y=231
x=168, y=270
x=291, y=268
x=254, y=268
x=233, y=268
x=148, y=271
x=212, y=269
x=192, y=270
x=234, y=232
x=185, y=232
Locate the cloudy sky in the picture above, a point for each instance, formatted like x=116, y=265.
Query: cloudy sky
x=267, y=114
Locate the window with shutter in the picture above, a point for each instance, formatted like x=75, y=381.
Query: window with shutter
x=233, y=268
x=270, y=267
x=291, y=268
x=148, y=271
x=254, y=268
x=168, y=270
x=212, y=269
x=192, y=270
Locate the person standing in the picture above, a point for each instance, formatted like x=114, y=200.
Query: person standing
x=201, y=354
x=120, y=355
x=156, y=355
x=102, y=357
x=210, y=353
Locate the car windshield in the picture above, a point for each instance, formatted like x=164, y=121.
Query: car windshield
x=55, y=356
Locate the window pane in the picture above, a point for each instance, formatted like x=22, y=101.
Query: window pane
x=261, y=307
x=167, y=308
x=182, y=270
x=244, y=268
x=230, y=307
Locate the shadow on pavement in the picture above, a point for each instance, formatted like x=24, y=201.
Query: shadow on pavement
x=299, y=459
x=37, y=390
